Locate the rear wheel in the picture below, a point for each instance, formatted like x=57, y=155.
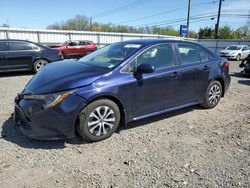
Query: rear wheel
x=212, y=95
x=99, y=120
x=39, y=64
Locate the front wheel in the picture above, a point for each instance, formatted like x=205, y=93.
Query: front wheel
x=212, y=95
x=99, y=120
x=238, y=57
x=39, y=64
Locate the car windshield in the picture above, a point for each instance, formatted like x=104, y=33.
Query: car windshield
x=111, y=56
x=233, y=48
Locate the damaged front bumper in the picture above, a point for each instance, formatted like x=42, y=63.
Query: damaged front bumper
x=57, y=122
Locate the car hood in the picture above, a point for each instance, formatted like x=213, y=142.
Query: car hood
x=64, y=75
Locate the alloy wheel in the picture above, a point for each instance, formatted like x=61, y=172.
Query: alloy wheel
x=101, y=120
x=40, y=64
x=214, y=95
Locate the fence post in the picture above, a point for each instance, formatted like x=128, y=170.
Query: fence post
x=216, y=45
x=38, y=37
x=7, y=34
x=98, y=39
x=69, y=36
x=121, y=37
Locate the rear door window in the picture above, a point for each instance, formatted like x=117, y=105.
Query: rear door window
x=2, y=46
x=19, y=46
x=189, y=54
x=204, y=55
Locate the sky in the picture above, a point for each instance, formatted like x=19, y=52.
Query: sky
x=38, y=14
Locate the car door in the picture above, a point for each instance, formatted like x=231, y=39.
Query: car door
x=3, y=58
x=71, y=48
x=156, y=91
x=83, y=48
x=195, y=68
x=20, y=55
x=245, y=52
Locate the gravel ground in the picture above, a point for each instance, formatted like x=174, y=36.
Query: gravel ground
x=188, y=148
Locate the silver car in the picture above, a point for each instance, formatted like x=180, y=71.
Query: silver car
x=236, y=52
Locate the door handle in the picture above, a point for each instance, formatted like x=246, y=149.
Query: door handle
x=174, y=75
x=206, y=68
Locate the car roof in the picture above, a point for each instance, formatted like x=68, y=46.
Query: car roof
x=18, y=40
x=156, y=41
x=79, y=40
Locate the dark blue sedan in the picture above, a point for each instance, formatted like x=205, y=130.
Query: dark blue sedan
x=119, y=83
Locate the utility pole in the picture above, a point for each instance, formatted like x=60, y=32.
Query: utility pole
x=188, y=16
x=218, y=21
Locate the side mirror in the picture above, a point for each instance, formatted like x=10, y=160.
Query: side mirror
x=145, y=68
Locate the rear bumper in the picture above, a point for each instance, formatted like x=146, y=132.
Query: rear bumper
x=227, y=81
x=54, y=123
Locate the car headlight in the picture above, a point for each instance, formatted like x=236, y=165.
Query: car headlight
x=233, y=53
x=49, y=100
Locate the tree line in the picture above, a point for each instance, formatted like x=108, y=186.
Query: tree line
x=83, y=23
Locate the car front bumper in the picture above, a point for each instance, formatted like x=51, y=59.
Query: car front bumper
x=53, y=123
x=229, y=56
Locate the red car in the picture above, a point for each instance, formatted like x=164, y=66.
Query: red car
x=76, y=48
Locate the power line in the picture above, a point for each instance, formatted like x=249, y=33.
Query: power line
x=196, y=17
x=162, y=13
x=122, y=8
x=177, y=19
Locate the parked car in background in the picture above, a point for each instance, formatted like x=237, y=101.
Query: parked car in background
x=236, y=52
x=20, y=55
x=119, y=83
x=76, y=48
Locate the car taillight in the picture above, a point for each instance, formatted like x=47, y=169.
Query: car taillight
x=59, y=53
x=227, y=64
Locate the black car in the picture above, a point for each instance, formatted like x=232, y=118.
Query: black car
x=21, y=55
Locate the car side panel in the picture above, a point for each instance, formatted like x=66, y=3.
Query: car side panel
x=20, y=59
x=3, y=59
x=194, y=81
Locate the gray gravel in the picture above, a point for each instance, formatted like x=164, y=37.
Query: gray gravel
x=189, y=148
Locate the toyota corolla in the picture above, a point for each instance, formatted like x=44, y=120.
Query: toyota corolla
x=117, y=84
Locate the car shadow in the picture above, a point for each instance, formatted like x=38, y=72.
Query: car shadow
x=244, y=82
x=237, y=74
x=13, y=74
x=11, y=133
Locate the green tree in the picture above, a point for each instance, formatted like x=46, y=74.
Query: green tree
x=78, y=23
x=206, y=33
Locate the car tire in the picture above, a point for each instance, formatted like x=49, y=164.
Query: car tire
x=99, y=120
x=212, y=95
x=63, y=55
x=39, y=64
x=238, y=57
